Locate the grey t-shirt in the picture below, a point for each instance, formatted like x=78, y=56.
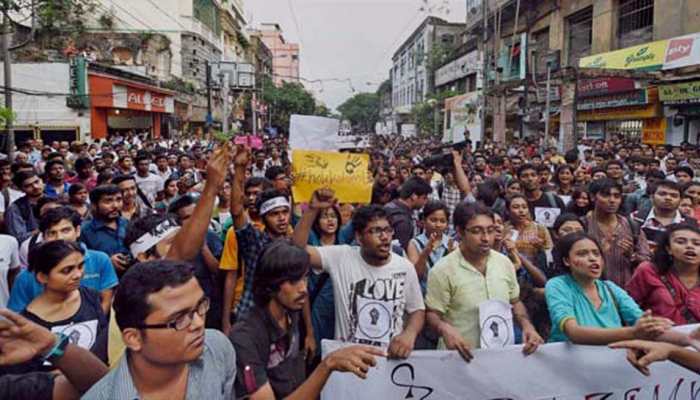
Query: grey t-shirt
x=370, y=302
x=210, y=377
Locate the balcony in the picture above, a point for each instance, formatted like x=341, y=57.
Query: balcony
x=204, y=31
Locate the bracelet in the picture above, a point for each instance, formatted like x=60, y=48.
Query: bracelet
x=58, y=349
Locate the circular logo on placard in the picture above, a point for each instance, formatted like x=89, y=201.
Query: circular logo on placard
x=374, y=320
x=495, y=332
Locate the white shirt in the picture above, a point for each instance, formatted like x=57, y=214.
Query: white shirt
x=9, y=259
x=150, y=186
x=14, y=195
x=370, y=302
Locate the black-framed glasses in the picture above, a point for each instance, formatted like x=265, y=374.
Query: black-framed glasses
x=377, y=231
x=183, y=321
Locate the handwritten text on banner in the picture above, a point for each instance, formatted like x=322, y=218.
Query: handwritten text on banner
x=558, y=371
x=346, y=173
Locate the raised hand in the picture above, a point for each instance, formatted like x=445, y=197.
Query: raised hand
x=21, y=339
x=322, y=199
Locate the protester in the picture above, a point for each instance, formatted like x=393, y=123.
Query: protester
x=107, y=228
x=585, y=309
x=624, y=244
x=355, y=270
x=65, y=305
x=666, y=197
x=413, y=195
x=669, y=284
x=469, y=276
x=20, y=220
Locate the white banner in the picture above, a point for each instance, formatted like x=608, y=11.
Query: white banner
x=308, y=132
x=557, y=371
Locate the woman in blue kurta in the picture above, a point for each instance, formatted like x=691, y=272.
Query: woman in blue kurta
x=586, y=309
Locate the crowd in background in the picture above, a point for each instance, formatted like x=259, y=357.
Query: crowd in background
x=194, y=257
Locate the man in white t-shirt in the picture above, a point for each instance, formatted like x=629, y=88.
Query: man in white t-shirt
x=149, y=183
x=375, y=291
x=9, y=266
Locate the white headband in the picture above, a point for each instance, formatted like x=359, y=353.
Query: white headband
x=273, y=203
x=150, y=239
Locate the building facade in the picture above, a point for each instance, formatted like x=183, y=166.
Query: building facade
x=285, y=55
x=607, y=61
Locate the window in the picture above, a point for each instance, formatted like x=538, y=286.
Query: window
x=580, y=35
x=295, y=57
x=635, y=22
x=540, y=48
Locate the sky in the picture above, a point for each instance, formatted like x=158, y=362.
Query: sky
x=348, y=40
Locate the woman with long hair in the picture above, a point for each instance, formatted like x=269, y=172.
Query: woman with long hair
x=585, y=309
x=580, y=203
x=167, y=195
x=65, y=306
x=564, y=181
x=669, y=285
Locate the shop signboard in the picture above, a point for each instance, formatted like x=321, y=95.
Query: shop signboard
x=603, y=86
x=654, y=131
x=469, y=63
x=679, y=93
x=648, y=56
x=635, y=98
x=683, y=51
x=622, y=113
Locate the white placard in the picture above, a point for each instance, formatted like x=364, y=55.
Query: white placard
x=496, y=322
x=308, y=132
x=546, y=215
x=557, y=371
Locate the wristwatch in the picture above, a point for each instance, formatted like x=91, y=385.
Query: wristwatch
x=58, y=349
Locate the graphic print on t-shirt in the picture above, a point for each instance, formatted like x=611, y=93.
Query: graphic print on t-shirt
x=377, y=308
x=81, y=334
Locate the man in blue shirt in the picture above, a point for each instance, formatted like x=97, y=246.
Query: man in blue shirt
x=55, y=181
x=63, y=223
x=107, y=228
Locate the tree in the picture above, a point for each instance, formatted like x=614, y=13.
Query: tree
x=362, y=110
x=425, y=113
x=287, y=99
x=322, y=111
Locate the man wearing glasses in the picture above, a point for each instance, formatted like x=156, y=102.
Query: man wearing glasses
x=374, y=289
x=160, y=310
x=467, y=278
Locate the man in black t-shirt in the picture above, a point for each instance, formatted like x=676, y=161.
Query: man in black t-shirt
x=545, y=207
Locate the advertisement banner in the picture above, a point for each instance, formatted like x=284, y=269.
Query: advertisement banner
x=346, y=173
x=464, y=112
x=686, y=92
x=648, y=56
x=557, y=371
x=654, y=131
x=683, y=51
x=603, y=86
x=638, y=97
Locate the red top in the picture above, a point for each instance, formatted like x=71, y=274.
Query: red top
x=650, y=292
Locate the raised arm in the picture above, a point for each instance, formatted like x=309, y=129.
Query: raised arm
x=240, y=163
x=320, y=200
x=189, y=240
x=461, y=178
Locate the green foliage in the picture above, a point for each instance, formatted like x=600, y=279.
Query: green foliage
x=55, y=16
x=6, y=115
x=426, y=112
x=289, y=98
x=438, y=55
x=361, y=110
x=322, y=111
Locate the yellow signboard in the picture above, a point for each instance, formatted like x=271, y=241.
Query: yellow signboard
x=621, y=113
x=346, y=173
x=654, y=131
x=680, y=92
x=648, y=56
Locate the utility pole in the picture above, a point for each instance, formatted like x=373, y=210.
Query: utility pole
x=7, y=69
x=253, y=104
x=210, y=117
x=484, y=68
x=546, y=102
x=224, y=93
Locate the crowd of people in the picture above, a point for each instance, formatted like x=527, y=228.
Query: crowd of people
x=154, y=268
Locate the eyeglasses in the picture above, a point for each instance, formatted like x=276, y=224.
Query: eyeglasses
x=378, y=231
x=481, y=231
x=183, y=321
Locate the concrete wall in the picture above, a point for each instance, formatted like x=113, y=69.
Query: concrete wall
x=43, y=110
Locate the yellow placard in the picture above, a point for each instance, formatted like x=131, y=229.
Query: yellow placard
x=654, y=131
x=346, y=173
x=646, y=56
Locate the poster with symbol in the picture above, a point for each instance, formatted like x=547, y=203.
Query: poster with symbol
x=546, y=215
x=346, y=173
x=496, y=323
